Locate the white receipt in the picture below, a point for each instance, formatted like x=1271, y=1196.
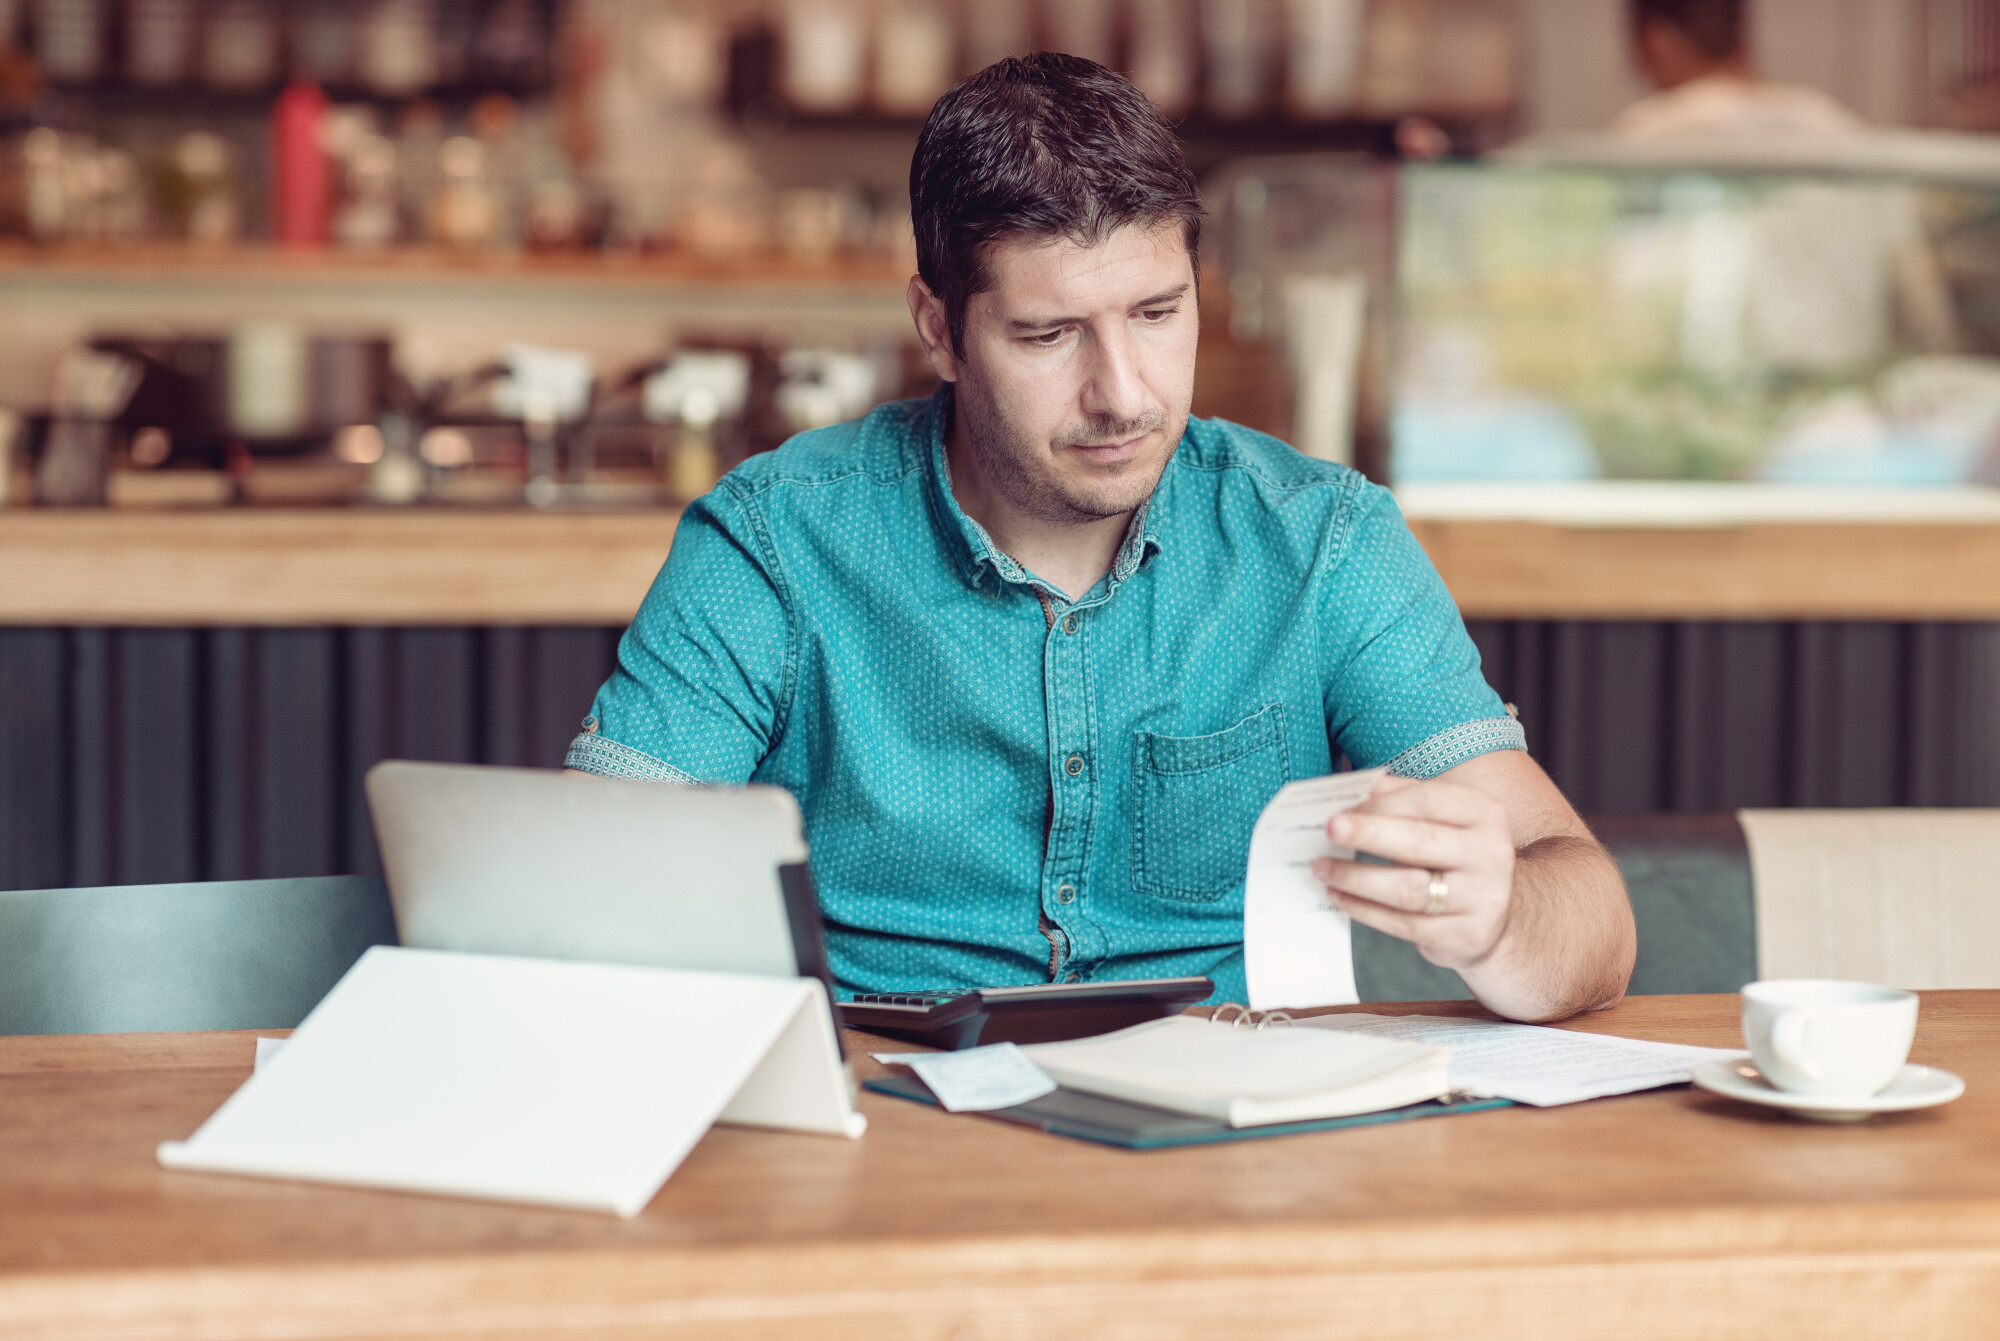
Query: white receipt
x=998, y=1075
x=1296, y=946
x=1533, y=1065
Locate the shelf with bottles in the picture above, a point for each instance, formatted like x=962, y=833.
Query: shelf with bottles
x=224, y=49
x=492, y=185
x=1211, y=65
x=712, y=126
x=1303, y=60
x=490, y=173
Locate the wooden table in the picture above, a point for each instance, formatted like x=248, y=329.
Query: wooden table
x=1669, y=1214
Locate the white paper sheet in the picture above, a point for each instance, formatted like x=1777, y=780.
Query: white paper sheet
x=998, y=1075
x=1296, y=946
x=1534, y=1065
x=267, y=1048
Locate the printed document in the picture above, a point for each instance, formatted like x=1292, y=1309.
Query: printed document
x=1296, y=946
x=1531, y=1064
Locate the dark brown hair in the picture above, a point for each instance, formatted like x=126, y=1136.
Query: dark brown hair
x=1714, y=27
x=1047, y=145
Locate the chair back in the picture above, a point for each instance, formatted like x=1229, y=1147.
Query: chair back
x=244, y=954
x=1906, y=896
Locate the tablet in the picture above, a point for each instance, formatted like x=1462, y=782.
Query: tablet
x=531, y=862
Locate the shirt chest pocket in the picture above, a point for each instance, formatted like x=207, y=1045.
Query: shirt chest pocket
x=1195, y=801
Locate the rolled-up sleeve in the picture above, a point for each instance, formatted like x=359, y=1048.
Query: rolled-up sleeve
x=1403, y=681
x=705, y=671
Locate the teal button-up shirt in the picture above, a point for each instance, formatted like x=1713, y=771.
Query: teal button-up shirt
x=1001, y=785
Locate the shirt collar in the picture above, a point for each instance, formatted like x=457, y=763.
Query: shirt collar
x=973, y=549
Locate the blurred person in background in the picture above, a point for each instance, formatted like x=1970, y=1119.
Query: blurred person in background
x=1830, y=279
x=1696, y=55
x=1033, y=653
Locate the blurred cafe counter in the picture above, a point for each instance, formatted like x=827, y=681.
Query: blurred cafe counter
x=1658, y=551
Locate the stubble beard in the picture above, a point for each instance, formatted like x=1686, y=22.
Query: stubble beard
x=1020, y=469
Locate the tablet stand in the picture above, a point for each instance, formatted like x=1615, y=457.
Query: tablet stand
x=532, y=1080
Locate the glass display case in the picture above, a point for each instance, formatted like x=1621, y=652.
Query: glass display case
x=1559, y=319
x=1558, y=322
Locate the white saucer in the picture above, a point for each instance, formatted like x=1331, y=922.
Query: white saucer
x=1913, y=1087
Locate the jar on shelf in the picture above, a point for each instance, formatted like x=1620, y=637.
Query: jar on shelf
x=1322, y=56
x=70, y=39
x=239, y=46
x=1086, y=28
x=913, y=45
x=159, y=42
x=1237, y=39
x=398, y=52
x=825, y=55
x=996, y=29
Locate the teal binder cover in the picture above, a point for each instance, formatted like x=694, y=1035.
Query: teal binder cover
x=1088, y=1117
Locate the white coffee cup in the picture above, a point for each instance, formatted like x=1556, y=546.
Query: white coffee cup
x=1821, y=1036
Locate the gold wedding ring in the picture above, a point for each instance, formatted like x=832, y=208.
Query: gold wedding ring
x=1438, y=891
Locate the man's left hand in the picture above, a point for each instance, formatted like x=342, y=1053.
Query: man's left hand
x=1441, y=834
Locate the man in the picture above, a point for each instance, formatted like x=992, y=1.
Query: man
x=1696, y=56
x=1034, y=652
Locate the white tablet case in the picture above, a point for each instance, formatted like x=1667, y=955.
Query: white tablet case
x=529, y=1080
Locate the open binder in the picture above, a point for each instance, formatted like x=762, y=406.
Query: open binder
x=555, y=1082
x=1130, y=1126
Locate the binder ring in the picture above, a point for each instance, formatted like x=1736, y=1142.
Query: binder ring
x=1239, y=1016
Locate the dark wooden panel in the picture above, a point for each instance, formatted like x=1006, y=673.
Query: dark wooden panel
x=93, y=736
x=1571, y=695
x=1730, y=735
x=508, y=708
x=1954, y=715
x=130, y=755
x=1698, y=717
x=566, y=668
x=37, y=757
x=297, y=798
x=437, y=695
x=368, y=664
x=1848, y=714
x=230, y=780
x=157, y=777
x=1628, y=733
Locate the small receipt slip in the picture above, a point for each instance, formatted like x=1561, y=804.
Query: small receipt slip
x=1531, y=1064
x=1296, y=946
x=998, y=1075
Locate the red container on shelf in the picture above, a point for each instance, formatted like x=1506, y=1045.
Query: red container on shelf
x=301, y=179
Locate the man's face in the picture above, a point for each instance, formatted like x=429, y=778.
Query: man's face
x=1077, y=371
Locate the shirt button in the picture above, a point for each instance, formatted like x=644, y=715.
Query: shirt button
x=1069, y=624
x=1065, y=893
x=1074, y=977
x=1073, y=765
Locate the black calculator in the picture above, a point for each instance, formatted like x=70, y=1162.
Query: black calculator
x=1037, y=1013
